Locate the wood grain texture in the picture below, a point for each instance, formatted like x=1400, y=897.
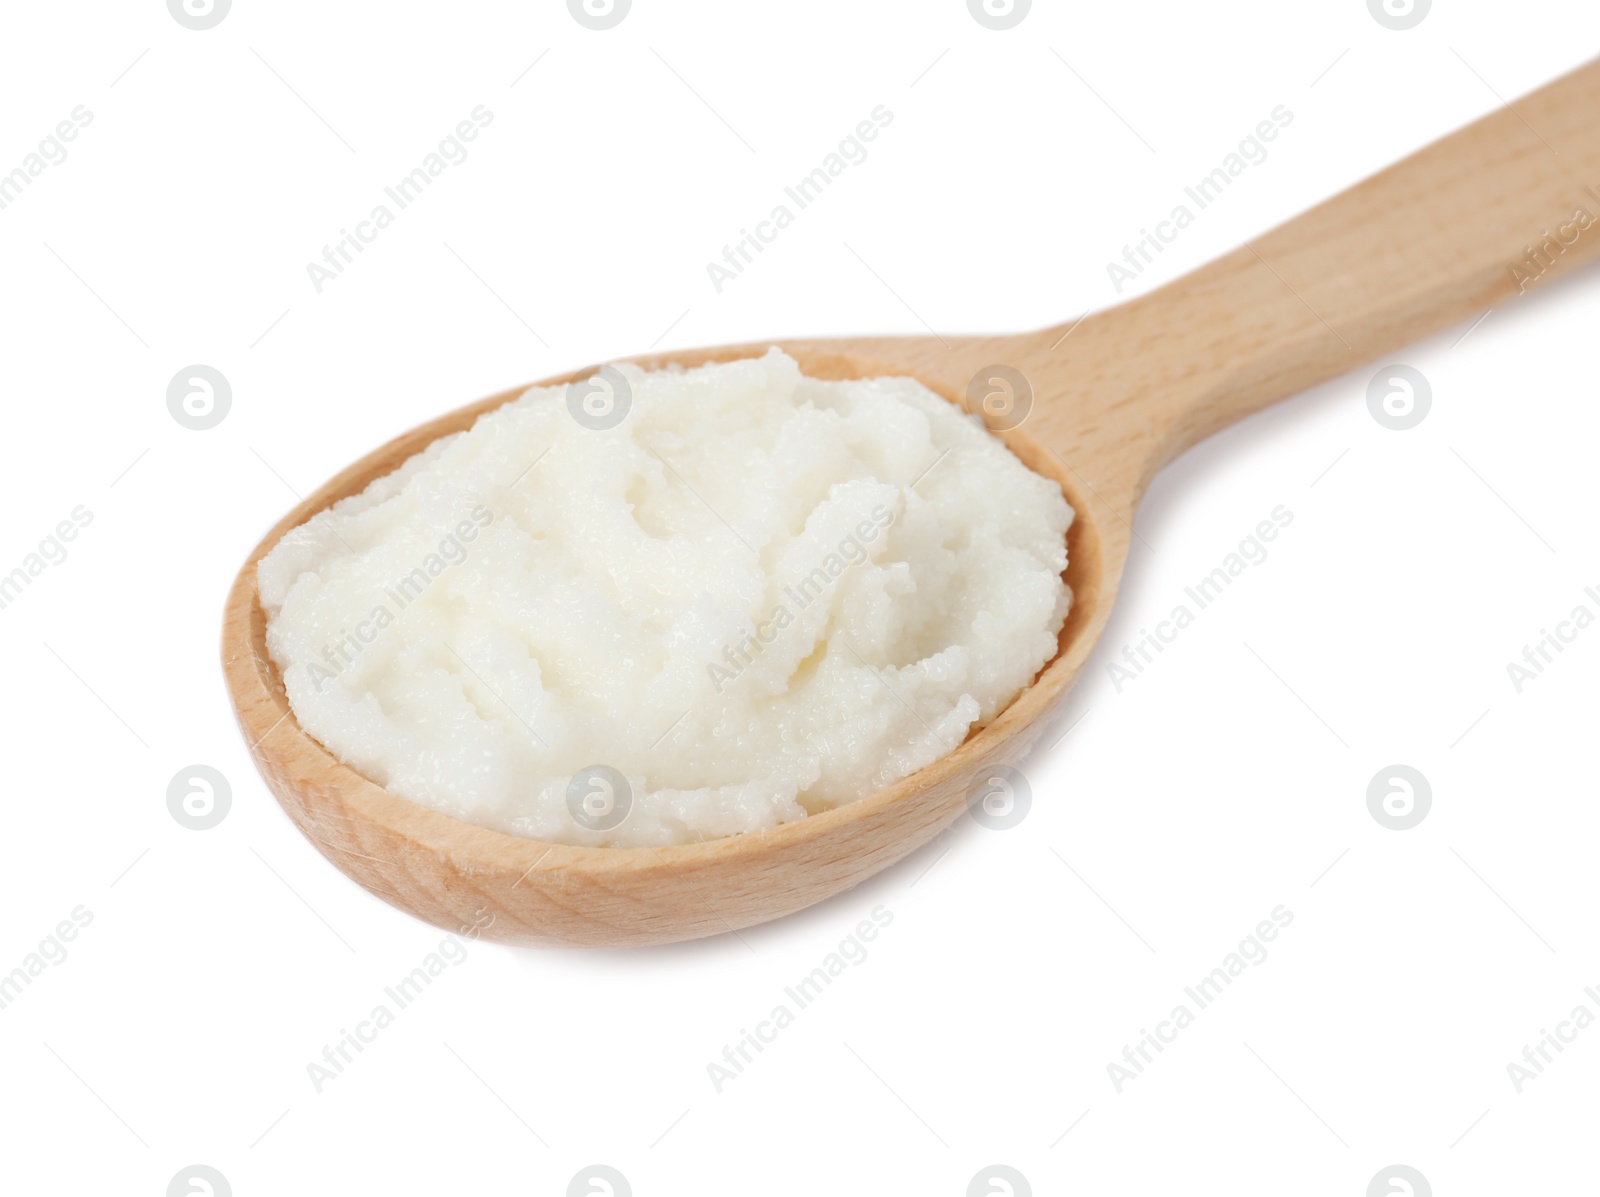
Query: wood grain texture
x=1427, y=243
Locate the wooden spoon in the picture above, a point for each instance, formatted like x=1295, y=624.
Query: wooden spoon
x=1460, y=227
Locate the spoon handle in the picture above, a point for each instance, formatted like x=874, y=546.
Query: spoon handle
x=1489, y=212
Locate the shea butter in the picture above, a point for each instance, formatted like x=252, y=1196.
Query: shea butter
x=659, y=607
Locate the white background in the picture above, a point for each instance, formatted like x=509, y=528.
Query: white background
x=1229, y=779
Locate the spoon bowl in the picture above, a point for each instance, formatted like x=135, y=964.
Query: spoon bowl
x=1103, y=403
x=473, y=879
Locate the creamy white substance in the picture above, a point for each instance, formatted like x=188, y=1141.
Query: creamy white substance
x=670, y=606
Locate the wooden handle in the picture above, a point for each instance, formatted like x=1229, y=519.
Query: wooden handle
x=1498, y=208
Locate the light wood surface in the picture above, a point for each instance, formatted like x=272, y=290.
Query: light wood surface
x=1432, y=241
